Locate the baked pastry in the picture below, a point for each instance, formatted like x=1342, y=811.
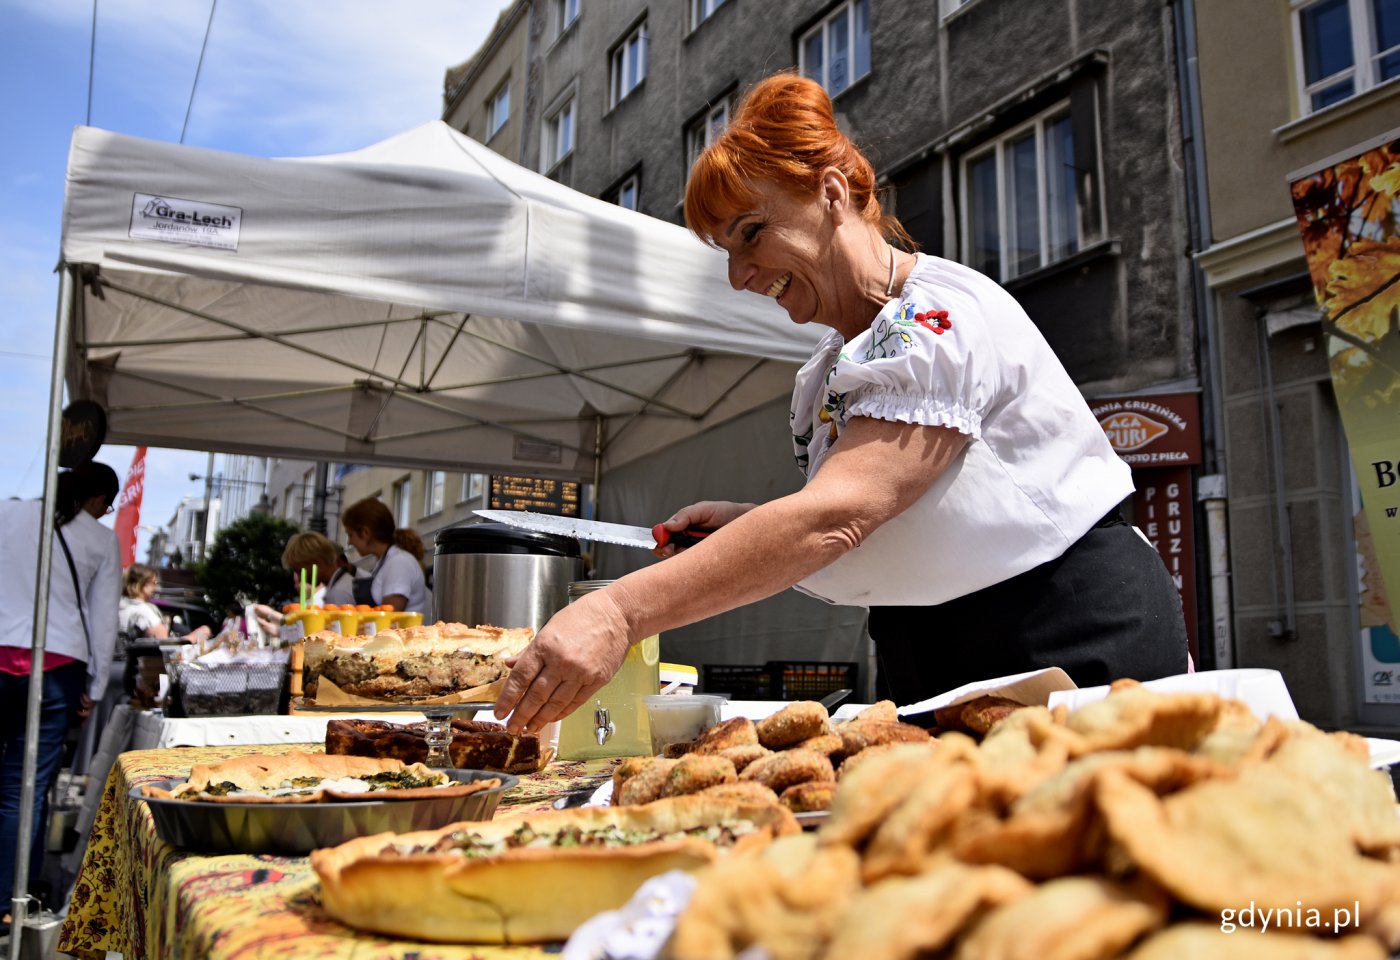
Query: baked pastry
x=475, y=745
x=447, y=662
x=794, y=723
x=530, y=879
x=311, y=778
x=975, y=717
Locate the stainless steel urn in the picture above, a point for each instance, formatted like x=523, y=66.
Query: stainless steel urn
x=493, y=573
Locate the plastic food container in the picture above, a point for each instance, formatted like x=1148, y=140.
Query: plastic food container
x=345, y=618
x=676, y=719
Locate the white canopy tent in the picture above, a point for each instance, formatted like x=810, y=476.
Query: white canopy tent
x=421, y=302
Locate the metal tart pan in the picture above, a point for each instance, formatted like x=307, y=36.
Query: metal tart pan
x=299, y=828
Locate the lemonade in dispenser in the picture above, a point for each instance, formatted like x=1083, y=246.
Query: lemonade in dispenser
x=613, y=721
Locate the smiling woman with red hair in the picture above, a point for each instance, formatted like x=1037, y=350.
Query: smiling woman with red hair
x=957, y=484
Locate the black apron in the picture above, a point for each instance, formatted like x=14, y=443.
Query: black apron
x=1105, y=609
x=363, y=587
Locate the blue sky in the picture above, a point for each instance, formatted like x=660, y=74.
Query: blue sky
x=280, y=78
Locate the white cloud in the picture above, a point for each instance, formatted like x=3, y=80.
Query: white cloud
x=280, y=78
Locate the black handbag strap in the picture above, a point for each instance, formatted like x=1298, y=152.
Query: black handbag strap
x=73, y=572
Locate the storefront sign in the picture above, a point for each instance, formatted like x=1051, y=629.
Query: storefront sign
x=1347, y=213
x=1152, y=431
x=538, y=494
x=1162, y=508
x=1160, y=438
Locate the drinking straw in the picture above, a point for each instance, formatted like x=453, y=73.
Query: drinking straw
x=303, y=588
x=314, y=581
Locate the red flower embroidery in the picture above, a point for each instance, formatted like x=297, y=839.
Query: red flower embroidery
x=934, y=320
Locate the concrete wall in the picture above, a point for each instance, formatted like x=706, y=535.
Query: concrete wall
x=1119, y=316
x=1256, y=133
x=470, y=87
x=1288, y=486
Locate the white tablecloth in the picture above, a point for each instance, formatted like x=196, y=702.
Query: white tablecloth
x=154, y=730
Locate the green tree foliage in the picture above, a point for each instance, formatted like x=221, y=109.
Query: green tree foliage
x=244, y=564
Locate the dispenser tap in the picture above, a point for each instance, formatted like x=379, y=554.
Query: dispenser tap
x=603, y=727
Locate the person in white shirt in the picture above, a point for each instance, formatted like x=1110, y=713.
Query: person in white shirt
x=396, y=579
x=956, y=482
x=81, y=635
x=338, y=587
x=138, y=618
x=311, y=557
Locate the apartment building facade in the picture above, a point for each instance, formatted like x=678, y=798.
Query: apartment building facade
x=1308, y=80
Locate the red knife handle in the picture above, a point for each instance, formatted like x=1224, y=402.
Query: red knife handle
x=684, y=538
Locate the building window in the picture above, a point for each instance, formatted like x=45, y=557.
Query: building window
x=629, y=64
x=308, y=493
x=498, y=110
x=402, y=505
x=289, y=504
x=558, y=135
x=700, y=11
x=628, y=193
x=473, y=486
x=434, y=492
x=705, y=131
x=836, y=52
x=1345, y=47
x=1021, y=198
x=565, y=13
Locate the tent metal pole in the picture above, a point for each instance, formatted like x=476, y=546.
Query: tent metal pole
x=19, y=902
x=597, y=461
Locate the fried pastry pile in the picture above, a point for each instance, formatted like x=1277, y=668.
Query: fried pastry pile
x=794, y=756
x=1142, y=826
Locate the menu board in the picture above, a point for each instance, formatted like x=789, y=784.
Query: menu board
x=537, y=494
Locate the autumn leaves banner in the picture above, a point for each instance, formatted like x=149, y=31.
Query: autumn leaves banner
x=1349, y=215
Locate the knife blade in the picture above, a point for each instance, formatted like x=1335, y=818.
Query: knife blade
x=620, y=533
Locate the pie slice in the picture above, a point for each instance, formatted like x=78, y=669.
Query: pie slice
x=313, y=778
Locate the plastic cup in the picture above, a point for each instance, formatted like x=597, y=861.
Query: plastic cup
x=675, y=719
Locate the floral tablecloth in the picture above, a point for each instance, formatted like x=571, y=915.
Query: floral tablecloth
x=139, y=897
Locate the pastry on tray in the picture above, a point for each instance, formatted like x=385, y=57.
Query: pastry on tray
x=442, y=663
x=534, y=878
x=313, y=778
x=476, y=744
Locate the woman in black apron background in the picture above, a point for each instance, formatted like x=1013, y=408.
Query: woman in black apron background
x=396, y=580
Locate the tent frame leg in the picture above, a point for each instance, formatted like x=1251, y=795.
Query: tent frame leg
x=20, y=900
x=598, y=423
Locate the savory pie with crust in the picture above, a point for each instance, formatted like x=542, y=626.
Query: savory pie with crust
x=442, y=662
x=314, y=778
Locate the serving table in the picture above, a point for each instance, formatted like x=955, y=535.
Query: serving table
x=137, y=896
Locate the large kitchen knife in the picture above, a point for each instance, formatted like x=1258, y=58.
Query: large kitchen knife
x=647, y=538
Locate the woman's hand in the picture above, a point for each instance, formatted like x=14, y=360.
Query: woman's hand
x=269, y=620
x=706, y=515
x=198, y=635
x=572, y=656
